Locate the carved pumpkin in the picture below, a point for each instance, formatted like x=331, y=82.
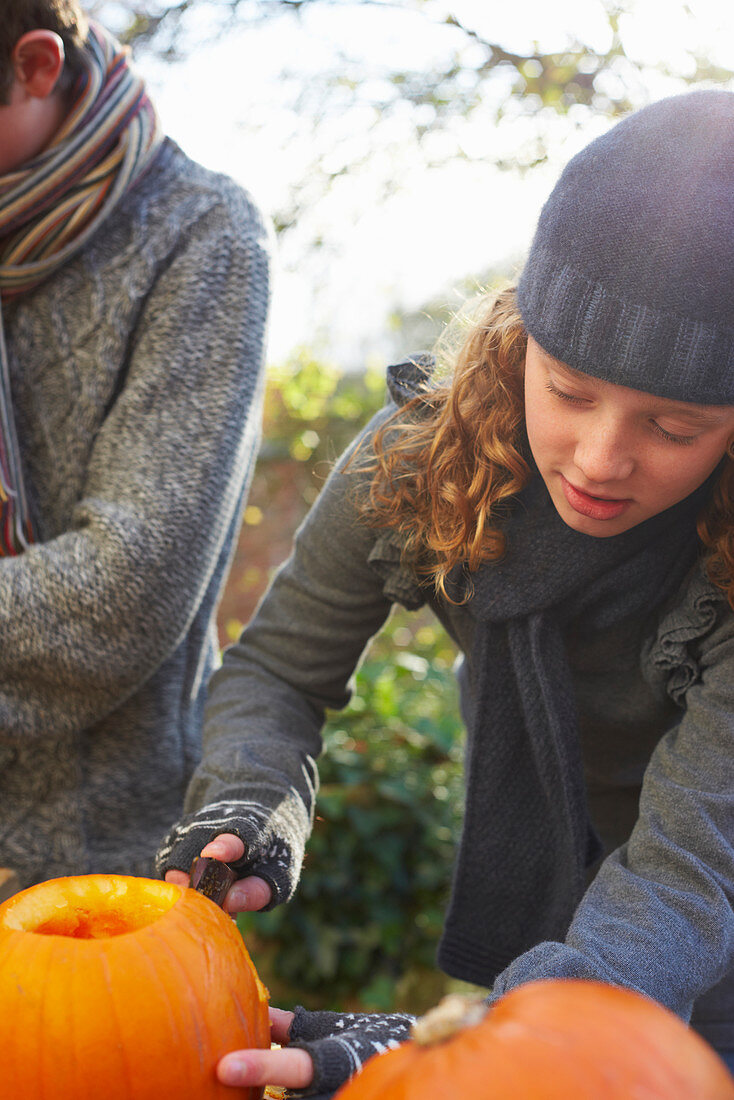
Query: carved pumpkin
x=550, y=1040
x=115, y=988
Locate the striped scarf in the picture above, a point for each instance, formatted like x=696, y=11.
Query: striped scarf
x=51, y=207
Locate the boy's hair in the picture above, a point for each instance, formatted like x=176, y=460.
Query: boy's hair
x=65, y=17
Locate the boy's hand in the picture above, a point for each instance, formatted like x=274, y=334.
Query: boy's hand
x=247, y=893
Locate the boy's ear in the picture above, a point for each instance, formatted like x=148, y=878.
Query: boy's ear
x=38, y=61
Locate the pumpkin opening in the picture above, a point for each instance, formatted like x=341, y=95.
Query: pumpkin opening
x=92, y=907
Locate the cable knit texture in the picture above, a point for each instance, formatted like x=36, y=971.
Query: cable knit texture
x=136, y=375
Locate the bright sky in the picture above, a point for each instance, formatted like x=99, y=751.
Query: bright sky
x=232, y=106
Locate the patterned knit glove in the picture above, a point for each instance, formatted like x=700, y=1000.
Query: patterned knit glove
x=341, y=1042
x=273, y=848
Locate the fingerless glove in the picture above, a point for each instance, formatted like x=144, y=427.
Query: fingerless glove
x=273, y=849
x=341, y=1042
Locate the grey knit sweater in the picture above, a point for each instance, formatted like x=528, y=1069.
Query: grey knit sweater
x=136, y=374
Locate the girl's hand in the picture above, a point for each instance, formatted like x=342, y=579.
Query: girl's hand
x=247, y=893
x=291, y=1069
x=321, y=1049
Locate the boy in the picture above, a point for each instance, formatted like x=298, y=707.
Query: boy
x=134, y=294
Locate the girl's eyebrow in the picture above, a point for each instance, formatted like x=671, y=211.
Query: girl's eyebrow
x=698, y=414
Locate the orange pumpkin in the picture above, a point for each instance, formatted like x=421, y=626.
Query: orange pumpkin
x=116, y=988
x=550, y=1040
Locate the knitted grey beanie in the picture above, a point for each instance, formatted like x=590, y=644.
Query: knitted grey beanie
x=630, y=276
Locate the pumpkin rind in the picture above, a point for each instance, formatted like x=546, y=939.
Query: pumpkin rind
x=555, y=1040
x=143, y=1014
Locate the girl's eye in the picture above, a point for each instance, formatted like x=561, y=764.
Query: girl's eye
x=563, y=395
x=671, y=437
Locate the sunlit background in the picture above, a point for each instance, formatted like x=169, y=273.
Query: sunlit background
x=402, y=162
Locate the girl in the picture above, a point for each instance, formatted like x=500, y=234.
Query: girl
x=564, y=502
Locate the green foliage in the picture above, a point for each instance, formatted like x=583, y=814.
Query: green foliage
x=363, y=927
x=313, y=409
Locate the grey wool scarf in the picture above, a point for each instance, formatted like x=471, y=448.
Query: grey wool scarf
x=526, y=839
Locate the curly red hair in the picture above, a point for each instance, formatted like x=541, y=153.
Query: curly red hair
x=446, y=464
x=716, y=530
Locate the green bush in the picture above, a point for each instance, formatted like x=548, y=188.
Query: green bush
x=313, y=410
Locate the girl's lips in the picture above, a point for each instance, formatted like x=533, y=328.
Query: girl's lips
x=593, y=507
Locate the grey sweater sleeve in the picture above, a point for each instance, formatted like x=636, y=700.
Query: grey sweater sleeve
x=89, y=615
x=267, y=702
x=659, y=915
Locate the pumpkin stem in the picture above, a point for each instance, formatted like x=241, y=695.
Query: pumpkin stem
x=453, y=1013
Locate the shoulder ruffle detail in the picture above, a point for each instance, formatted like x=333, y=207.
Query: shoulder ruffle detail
x=410, y=377
x=672, y=651
x=401, y=585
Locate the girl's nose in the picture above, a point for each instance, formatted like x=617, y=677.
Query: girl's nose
x=603, y=455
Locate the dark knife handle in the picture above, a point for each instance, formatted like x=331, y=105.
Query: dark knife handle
x=212, y=878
